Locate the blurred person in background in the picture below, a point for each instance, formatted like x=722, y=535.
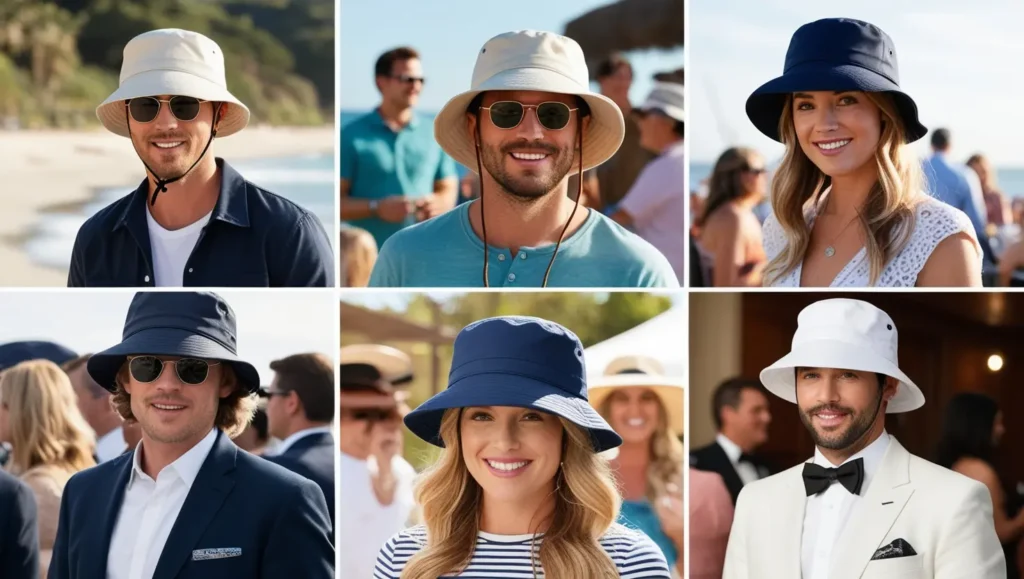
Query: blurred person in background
x=645, y=408
x=19, y=533
x=256, y=436
x=94, y=404
x=711, y=512
x=655, y=205
x=740, y=410
x=377, y=497
x=956, y=185
x=730, y=232
x=50, y=440
x=997, y=206
x=971, y=431
x=358, y=254
x=393, y=173
x=132, y=436
x=300, y=412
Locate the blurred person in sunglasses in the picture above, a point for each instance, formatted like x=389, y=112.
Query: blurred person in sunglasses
x=186, y=502
x=194, y=221
x=393, y=173
x=94, y=404
x=377, y=501
x=528, y=123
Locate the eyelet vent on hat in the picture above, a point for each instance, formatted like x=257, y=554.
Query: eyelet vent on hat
x=889, y=326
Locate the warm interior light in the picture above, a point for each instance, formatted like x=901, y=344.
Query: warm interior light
x=995, y=362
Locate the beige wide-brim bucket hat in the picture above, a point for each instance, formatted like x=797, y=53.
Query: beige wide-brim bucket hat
x=642, y=372
x=172, y=62
x=528, y=60
x=844, y=334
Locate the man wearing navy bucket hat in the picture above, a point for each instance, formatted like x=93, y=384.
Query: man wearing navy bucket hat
x=848, y=200
x=187, y=502
x=863, y=506
x=521, y=477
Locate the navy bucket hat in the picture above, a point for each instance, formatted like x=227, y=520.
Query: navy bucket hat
x=834, y=54
x=516, y=361
x=180, y=324
x=14, y=353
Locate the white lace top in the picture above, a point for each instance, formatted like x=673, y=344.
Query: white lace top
x=935, y=221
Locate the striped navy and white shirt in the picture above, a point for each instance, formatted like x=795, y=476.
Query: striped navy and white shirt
x=508, y=556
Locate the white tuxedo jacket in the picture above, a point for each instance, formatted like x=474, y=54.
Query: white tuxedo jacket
x=944, y=516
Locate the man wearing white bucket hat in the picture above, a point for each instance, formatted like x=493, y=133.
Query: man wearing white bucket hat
x=527, y=124
x=863, y=506
x=653, y=207
x=210, y=227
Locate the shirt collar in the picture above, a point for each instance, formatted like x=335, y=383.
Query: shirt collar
x=872, y=455
x=186, y=467
x=732, y=450
x=296, y=436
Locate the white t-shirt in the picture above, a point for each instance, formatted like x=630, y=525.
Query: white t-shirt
x=171, y=249
x=364, y=525
x=657, y=202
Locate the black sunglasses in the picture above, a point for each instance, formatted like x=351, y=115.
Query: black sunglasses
x=553, y=116
x=374, y=414
x=404, y=78
x=756, y=170
x=145, y=109
x=146, y=369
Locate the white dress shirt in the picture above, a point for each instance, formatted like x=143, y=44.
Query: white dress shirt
x=110, y=445
x=828, y=512
x=149, y=511
x=295, y=437
x=747, y=471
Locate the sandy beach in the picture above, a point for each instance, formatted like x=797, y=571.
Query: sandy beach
x=47, y=171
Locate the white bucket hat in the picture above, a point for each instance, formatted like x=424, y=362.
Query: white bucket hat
x=528, y=60
x=172, y=62
x=642, y=372
x=666, y=97
x=843, y=334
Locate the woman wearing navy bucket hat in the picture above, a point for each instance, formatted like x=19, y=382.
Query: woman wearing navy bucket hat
x=847, y=200
x=521, y=478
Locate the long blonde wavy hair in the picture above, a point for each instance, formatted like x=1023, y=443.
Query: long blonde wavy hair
x=666, y=454
x=44, y=423
x=888, y=213
x=586, y=505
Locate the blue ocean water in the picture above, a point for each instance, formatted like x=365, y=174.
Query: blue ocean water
x=307, y=180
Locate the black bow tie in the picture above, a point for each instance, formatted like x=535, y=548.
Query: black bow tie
x=818, y=478
x=745, y=458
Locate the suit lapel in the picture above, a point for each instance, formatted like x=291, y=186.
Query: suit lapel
x=786, y=525
x=212, y=485
x=106, y=510
x=730, y=477
x=871, y=520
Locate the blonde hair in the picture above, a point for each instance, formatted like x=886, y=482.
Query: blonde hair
x=888, y=213
x=46, y=427
x=358, y=254
x=586, y=505
x=666, y=454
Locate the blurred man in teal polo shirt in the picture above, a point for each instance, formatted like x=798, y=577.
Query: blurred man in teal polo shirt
x=393, y=173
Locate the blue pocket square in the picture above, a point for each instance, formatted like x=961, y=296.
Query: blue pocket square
x=223, y=553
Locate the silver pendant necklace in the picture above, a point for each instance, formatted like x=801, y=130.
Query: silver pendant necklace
x=830, y=249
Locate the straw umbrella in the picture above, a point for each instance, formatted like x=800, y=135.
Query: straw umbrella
x=628, y=25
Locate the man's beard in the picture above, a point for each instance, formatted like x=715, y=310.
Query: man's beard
x=530, y=187
x=840, y=440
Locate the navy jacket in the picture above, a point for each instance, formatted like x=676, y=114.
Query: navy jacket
x=19, y=533
x=276, y=518
x=254, y=239
x=312, y=457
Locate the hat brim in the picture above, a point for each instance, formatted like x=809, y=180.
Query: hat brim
x=780, y=377
x=171, y=82
x=509, y=390
x=103, y=367
x=765, y=105
x=601, y=139
x=672, y=394
x=390, y=362
x=671, y=111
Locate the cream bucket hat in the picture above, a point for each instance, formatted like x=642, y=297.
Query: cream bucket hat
x=172, y=62
x=642, y=372
x=843, y=334
x=528, y=60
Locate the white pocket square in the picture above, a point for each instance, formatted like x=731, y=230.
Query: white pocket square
x=223, y=553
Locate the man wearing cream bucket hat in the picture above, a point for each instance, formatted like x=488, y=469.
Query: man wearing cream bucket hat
x=528, y=122
x=863, y=506
x=211, y=227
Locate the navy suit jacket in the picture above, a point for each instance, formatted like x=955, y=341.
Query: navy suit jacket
x=277, y=519
x=19, y=533
x=312, y=457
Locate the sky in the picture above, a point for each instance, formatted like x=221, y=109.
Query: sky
x=397, y=301
x=448, y=35
x=271, y=325
x=958, y=61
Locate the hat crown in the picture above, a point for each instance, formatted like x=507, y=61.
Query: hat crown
x=176, y=50
x=843, y=41
x=527, y=346
x=531, y=49
x=854, y=322
x=667, y=93
x=201, y=313
x=631, y=364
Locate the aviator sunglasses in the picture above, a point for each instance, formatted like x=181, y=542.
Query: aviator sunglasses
x=506, y=115
x=146, y=369
x=145, y=109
